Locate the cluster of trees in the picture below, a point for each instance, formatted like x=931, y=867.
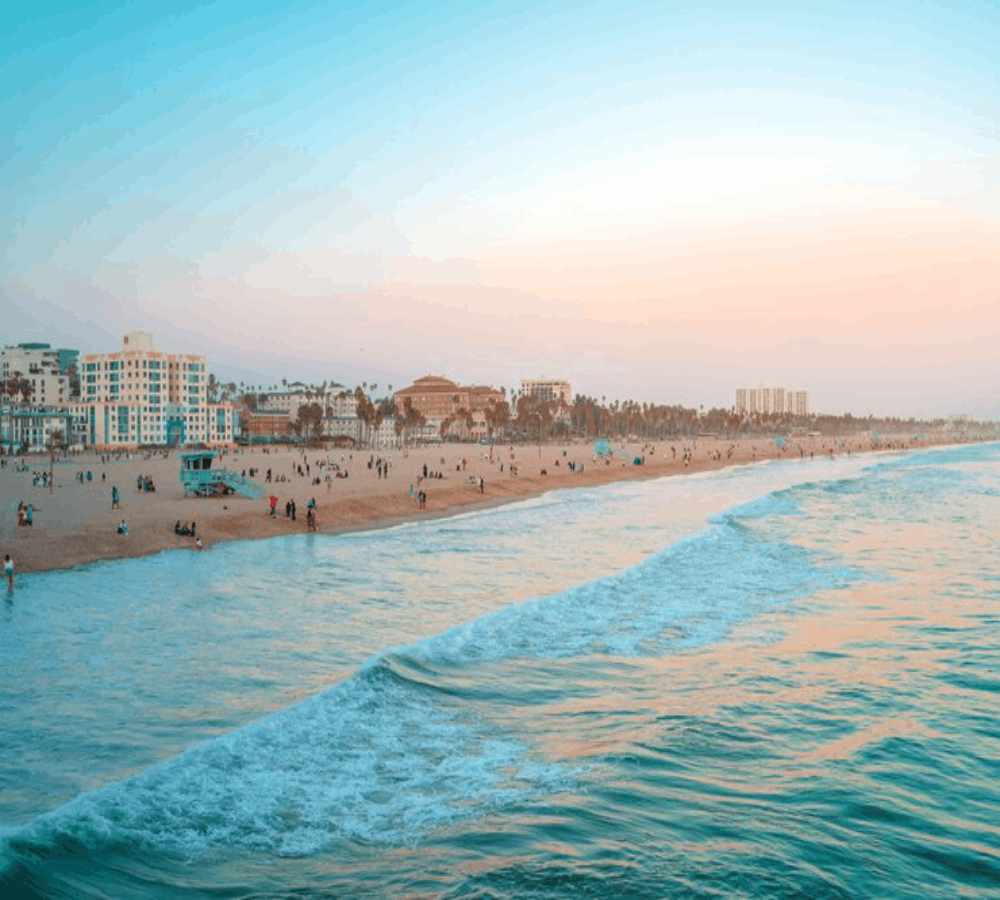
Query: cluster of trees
x=406, y=421
x=17, y=386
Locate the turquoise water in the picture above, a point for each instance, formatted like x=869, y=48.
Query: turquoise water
x=773, y=681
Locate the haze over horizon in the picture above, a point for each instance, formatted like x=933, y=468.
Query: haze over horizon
x=654, y=204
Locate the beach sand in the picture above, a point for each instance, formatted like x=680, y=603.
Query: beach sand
x=74, y=524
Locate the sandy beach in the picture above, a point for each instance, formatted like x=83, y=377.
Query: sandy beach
x=75, y=524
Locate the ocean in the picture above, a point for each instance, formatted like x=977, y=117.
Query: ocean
x=772, y=681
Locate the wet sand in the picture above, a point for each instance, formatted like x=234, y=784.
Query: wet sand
x=74, y=524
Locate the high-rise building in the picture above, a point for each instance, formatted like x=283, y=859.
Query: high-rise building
x=772, y=400
x=552, y=390
x=141, y=396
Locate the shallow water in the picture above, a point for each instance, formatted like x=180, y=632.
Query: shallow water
x=771, y=681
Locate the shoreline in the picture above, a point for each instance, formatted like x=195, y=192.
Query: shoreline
x=74, y=525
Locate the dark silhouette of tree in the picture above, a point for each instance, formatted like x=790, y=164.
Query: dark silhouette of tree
x=310, y=419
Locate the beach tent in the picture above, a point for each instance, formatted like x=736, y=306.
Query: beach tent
x=779, y=442
x=602, y=447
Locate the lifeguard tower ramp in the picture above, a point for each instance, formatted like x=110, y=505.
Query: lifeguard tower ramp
x=199, y=477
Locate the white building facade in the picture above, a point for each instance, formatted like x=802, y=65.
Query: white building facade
x=297, y=395
x=771, y=401
x=550, y=390
x=45, y=369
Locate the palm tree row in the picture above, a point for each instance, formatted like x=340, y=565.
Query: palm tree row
x=589, y=418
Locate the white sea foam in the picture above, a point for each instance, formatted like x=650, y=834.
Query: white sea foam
x=369, y=760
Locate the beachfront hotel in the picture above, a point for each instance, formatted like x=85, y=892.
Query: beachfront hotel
x=770, y=401
x=140, y=396
x=438, y=398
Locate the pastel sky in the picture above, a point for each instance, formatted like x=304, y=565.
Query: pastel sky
x=655, y=202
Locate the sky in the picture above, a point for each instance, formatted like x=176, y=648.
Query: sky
x=656, y=202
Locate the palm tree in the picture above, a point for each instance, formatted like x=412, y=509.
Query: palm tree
x=14, y=385
x=73, y=378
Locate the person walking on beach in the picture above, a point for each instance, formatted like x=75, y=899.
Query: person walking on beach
x=115, y=498
x=274, y=505
x=8, y=570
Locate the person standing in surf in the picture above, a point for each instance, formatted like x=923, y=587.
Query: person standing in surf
x=8, y=570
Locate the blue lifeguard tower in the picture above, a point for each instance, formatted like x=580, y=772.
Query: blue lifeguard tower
x=198, y=477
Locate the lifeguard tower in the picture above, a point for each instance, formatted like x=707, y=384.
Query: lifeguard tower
x=198, y=477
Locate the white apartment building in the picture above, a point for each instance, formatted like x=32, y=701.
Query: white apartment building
x=548, y=389
x=772, y=400
x=141, y=396
x=341, y=402
x=296, y=395
x=342, y=426
x=45, y=369
x=352, y=427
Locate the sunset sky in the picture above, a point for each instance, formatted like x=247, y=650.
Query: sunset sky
x=656, y=203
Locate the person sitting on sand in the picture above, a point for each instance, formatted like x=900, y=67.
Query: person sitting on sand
x=177, y=527
x=198, y=544
x=123, y=528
